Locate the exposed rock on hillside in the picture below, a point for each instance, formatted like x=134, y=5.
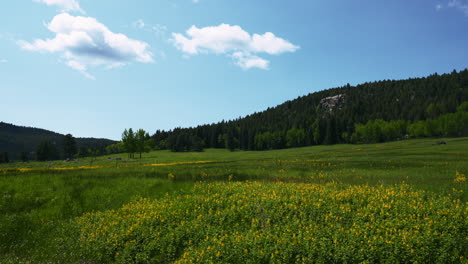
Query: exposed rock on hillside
x=333, y=101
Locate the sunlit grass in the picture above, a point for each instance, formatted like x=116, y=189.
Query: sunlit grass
x=40, y=200
x=281, y=223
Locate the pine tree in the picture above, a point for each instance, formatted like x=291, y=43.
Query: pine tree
x=330, y=135
x=69, y=146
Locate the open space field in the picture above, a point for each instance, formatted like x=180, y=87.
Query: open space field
x=402, y=201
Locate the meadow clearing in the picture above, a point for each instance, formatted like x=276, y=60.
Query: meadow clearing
x=403, y=201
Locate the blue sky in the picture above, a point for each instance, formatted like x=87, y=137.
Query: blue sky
x=93, y=68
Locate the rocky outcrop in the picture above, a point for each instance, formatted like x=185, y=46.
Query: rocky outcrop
x=333, y=101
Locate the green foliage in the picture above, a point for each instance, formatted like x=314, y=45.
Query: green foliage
x=16, y=139
x=452, y=125
x=84, y=152
x=330, y=132
x=35, y=210
x=231, y=142
x=281, y=223
x=129, y=142
x=115, y=148
x=135, y=142
x=4, y=157
x=463, y=107
x=432, y=111
x=197, y=144
x=295, y=138
x=269, y=140
x=24, y=156
x=47, y=151
x=182, y=142
x=142, y=141
x=317, y=134
x=379, y=130
x=417, y=129
x=69, y=146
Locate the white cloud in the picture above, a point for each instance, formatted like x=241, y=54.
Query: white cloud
x=462, y=5
x=81, y=68
x=84, y=42
x=234, y=41
x=139, y=24
x=65, y=5
x=3, y=60
x=158, y=30
x=271, y=44
x=247, y=61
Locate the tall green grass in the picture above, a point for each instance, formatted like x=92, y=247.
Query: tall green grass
x=36, y=207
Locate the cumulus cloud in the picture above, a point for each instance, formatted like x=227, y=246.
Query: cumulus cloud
x=233, y=41
x=65, y=5
x=84, y=42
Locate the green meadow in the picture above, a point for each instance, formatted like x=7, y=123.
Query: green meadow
x=49, y=211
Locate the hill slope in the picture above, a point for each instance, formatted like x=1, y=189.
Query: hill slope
x=328, y=116
x=15, y=139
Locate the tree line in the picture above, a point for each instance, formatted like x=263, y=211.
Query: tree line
x=21, y=143
x=132, y=142
x=4, y=157
x=47, y=150
x=370, y=112
x=67, y=148
x=447, y=125
x=313, y=120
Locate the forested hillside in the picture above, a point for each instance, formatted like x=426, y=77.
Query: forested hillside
x=330, y=116
x=17, y=139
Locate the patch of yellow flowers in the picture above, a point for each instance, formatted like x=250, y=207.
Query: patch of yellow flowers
x=253, y=222
x=178, y=163
x=101, y=167
x=459, y=178
x=22, y=170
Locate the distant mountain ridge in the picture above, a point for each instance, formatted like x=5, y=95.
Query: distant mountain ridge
x=16, y=139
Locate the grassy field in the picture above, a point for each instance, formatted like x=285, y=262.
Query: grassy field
x=107, y=210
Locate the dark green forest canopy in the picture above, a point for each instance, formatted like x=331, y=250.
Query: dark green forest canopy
x=328, y=116
x=17, y=139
